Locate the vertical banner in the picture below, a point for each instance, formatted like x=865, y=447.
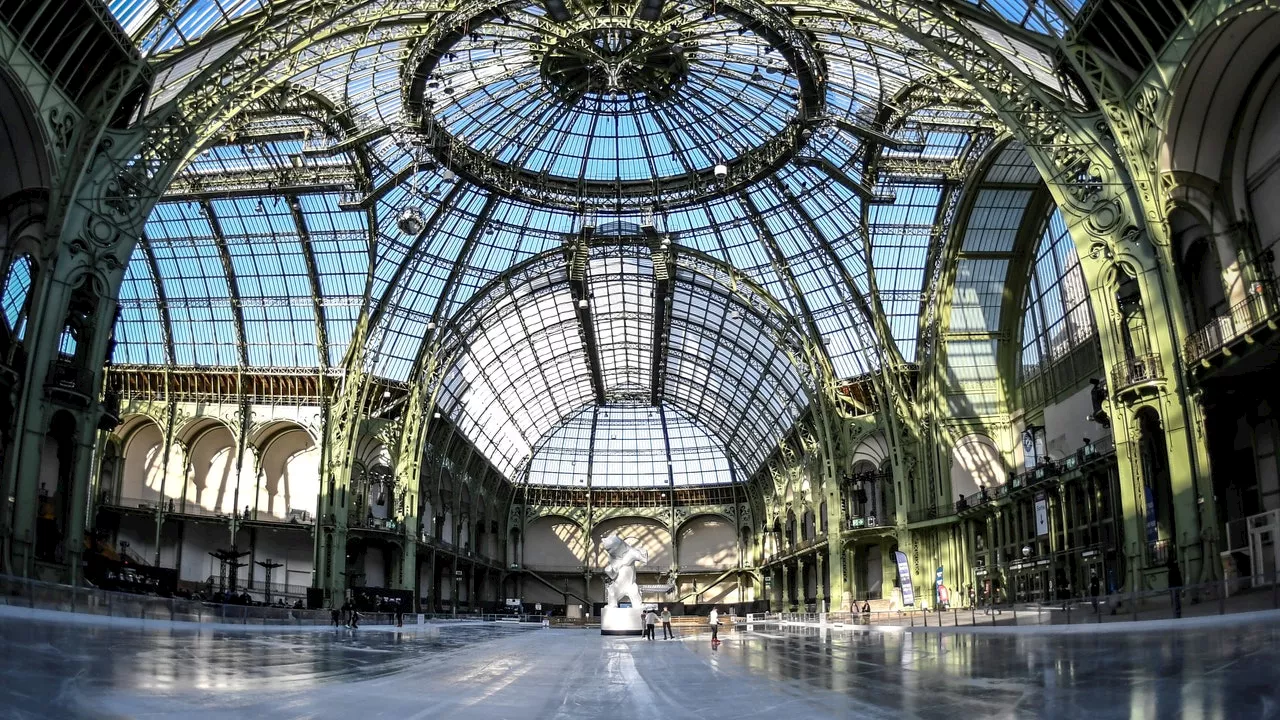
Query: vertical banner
x=904, y=577
x=1042, y=515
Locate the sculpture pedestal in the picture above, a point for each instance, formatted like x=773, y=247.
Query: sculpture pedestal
x=621, y=621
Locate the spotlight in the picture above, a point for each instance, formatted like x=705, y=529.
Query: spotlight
x=721, y=171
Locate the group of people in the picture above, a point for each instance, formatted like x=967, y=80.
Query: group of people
x=347, y=616
x=651, y=619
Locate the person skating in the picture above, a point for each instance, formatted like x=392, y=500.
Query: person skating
x=714, y=621
x=355, y=618
x=667, y=632
x=335, y=615
x=650, y=621
x=1095, y=588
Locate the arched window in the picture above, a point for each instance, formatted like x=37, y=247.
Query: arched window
x=67, y=342
x=1056, y=315
x=14, y=300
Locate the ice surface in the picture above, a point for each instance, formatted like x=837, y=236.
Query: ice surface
x=490, y=671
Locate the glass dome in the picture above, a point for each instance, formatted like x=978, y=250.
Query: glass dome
x=615, y=106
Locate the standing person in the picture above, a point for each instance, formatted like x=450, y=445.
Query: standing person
x=346, y=613
x=650, y=621
x=1175, y=586
x=1095, y=588
x=355, y=618
x=714, y=622
x=667, y=632
x=335, y=615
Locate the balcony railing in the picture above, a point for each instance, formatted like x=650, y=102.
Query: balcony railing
x=1244, y=316
x=179, y=506
x=1136, y=371
x=69, y=382
x=930, y=513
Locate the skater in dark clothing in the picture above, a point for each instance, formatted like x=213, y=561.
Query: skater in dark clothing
x=1175, y=587
x=335, y=615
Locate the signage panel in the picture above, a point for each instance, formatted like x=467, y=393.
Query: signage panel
x=1042, y=516
x=904, y=577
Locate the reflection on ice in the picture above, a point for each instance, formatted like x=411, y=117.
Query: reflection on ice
x=496, y=671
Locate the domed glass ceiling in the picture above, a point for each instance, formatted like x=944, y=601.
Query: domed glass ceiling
x=614, y=106
x=510, y=129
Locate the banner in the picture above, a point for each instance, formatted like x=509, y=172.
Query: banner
x=904, y=577
x=1042, y=516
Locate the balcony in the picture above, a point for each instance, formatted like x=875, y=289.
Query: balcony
x=1136, y=374
x=70, y=384
x=191, y=508
x=1256, y=313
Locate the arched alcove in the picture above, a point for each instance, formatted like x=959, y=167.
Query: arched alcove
x=143, y=478
x=976, y=463
x=648, y=535
x=554, y=543
x=1200, y=268
x=708, y=542
x=24, y=160
x=216, y=482
x=289, y=482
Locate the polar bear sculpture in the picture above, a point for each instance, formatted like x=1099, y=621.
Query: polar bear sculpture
x=621, y=570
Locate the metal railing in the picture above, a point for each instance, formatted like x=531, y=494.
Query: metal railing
x=1137, y=370
x=182, y=506
x=1254, y=310
x=930, y=513
x=259, y=587
x=1220, y=597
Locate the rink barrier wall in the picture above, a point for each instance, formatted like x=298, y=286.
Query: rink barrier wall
x=36, y=595
x=1233, y=596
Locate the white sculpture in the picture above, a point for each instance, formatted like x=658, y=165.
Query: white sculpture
x=621, y=571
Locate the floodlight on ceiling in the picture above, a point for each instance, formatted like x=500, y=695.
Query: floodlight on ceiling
x=449, y=175
x=411, y=222
x=721, y=171
x=584, y=304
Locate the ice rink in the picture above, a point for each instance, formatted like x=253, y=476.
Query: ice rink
x=56, y=669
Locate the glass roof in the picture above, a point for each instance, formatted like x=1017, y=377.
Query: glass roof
x=499, y=133
x=520, y=364
x=628, y=446
x=629, y=100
